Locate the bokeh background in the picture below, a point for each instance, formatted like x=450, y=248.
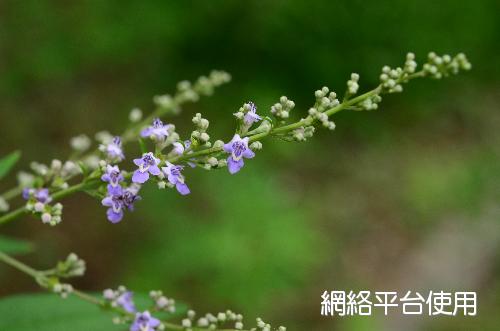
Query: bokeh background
x=405, y=197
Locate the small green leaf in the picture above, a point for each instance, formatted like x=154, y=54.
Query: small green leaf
x=7, y=162
x=14, y=246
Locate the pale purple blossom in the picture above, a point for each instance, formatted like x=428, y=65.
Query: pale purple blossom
x=114, y=149
x=174, y=176
x=144, y=322
x=41, y=195
x=157, y=130
x=251, y=116
x=125, y=301
x=118, y=202
x=238, y=148
x=113, y=177
x=148, y=164
x=178, y=148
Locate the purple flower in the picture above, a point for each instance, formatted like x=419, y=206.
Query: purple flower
x=41, y=195
x=113, y=177
x=148, y=164
x=174, y=176
x=157, y=130
x=114, y=149
x=144, y=322
x=118, y=202
x=238, y=148
x=125, y=301
x=178, y=148
x=251, y=116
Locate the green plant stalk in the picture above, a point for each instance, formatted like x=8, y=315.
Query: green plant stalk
x=39, y=275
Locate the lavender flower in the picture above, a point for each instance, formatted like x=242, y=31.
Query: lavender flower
x=125, y=301
x=145, y=322
x=157, y=131
x=113, y=177
x=174, y=176
x=251, y=116
x=238, y=148
x=148, y=164
x=178, y=148
x=118, y=202
x=41, y=195
x=113, y=149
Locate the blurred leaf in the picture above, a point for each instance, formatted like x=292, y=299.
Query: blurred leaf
x=7, y=162
x=14, y=246
x=48, y=312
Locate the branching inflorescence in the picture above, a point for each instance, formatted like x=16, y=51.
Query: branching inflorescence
x=165, y=156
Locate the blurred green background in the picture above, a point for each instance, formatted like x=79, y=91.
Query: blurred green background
x=405, y=197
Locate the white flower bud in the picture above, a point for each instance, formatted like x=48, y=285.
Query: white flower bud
x=80, y=143
x=39, y=207
x=218, y=144
x=203, y=322
x=186, y=323
x=56, y=165
x=4, y=205
x=135, y=115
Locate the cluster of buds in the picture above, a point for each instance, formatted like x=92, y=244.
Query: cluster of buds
x=390, y=79
x=303, y=133
x=325, y=99
x=38, y=202
x=441, y=66
x=73, y=266
x=212, y=322
x=261, y=325
x=321, y=117
x=62, y=289
x=282, y=109
x=205, y=85
x=410, y=63
x=200, y=135
x=352, y=84
x=57, y=172
x=371, y=103
x=162, y=303
x=165, y=103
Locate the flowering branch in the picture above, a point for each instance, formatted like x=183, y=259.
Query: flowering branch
x=120, y=302
x=118, y=189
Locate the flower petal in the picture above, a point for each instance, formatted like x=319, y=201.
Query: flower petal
x=248, y=153
x=182, y=188
x=234, y=166
x=154, y=170
x=140, y=177
x=114, y=217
